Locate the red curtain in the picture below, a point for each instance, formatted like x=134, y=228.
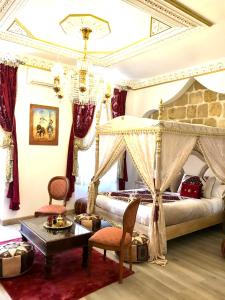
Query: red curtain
x=8, y=81
x=82, y=119
x=118, y=103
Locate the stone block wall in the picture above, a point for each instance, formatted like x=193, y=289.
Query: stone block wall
x=197, y=105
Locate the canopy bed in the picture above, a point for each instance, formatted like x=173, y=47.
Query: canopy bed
x=159, y=149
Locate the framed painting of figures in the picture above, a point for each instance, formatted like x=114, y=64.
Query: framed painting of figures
x=44, y=125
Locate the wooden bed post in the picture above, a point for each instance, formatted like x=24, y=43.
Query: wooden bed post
x=158, y=150
x=97, y=142
x=98, y=115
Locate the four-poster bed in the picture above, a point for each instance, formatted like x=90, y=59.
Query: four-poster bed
x=159, y=150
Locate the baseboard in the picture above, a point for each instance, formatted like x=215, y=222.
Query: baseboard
x=17, y=220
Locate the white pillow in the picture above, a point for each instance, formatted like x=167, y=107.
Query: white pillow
x=218, y=190
x=208, y=186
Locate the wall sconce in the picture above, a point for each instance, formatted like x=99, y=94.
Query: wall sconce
x=58, y=72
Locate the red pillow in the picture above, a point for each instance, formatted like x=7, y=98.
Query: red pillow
x=191, y=187
x=191, y=190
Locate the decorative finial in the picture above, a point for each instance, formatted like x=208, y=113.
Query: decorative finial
x=160, y=109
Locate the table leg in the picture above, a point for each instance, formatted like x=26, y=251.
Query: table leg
x=24, y=239
x=48, y=266
x=85, y=256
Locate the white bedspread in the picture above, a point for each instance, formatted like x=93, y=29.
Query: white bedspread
x=175, y=212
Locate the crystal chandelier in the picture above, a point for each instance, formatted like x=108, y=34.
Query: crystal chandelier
x=84, y=66
x=87, y=84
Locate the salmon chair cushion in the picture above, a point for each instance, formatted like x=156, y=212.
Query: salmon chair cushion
x=51, y=209
x=110, y=236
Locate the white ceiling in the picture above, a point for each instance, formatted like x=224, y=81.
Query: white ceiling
x=129, y=47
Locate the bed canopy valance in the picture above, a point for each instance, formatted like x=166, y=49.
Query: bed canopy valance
x=159, y=150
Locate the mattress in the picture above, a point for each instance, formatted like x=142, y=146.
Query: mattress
x=175, y=212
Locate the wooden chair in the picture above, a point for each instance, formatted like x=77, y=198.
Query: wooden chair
x=58, y=188
x=116, y=239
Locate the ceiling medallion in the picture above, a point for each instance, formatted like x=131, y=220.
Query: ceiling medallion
x=72, y=24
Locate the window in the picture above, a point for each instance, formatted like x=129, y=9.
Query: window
x=86, y=162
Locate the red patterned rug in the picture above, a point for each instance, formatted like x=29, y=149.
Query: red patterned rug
x=69, y=280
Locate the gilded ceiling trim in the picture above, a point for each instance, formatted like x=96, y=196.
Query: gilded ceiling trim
x=29, y=34
x=4, y=6
x=152, y=33
x=189, y=11
x=16, y=22
x=173, y=10
x=121, y=54
x=8, y=8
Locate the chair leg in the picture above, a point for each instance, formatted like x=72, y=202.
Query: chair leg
x=104, y=256
x=130, y=257
x=121, y=265
x=89, y=259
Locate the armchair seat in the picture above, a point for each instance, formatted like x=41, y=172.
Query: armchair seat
x=52, y=209
x=111, y=237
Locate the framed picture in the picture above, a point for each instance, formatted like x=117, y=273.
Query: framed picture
x=44, y=125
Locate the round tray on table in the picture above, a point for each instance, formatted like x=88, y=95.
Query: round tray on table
x=67, y=225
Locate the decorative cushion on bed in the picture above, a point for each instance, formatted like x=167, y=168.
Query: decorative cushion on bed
x=205, y=184
x=191, y=187
x=191, y=190
x=139, y=252
x=16, y=258
x=90, y=221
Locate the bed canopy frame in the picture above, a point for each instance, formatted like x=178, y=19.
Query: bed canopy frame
x=158, y=149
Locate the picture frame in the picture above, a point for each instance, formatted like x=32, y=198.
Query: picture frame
x=44, y=125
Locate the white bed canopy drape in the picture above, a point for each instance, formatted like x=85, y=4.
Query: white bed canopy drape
x=159, y=150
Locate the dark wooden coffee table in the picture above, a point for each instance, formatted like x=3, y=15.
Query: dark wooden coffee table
x=51, y=242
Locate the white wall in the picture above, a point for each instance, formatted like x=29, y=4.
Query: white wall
x=37, y=164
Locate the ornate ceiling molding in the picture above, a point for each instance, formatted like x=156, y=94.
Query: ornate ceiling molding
x=42, y=45
x=117, y=56
x=207, y=68
x=8, y=9
x=37, y=62
x=177, y=13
